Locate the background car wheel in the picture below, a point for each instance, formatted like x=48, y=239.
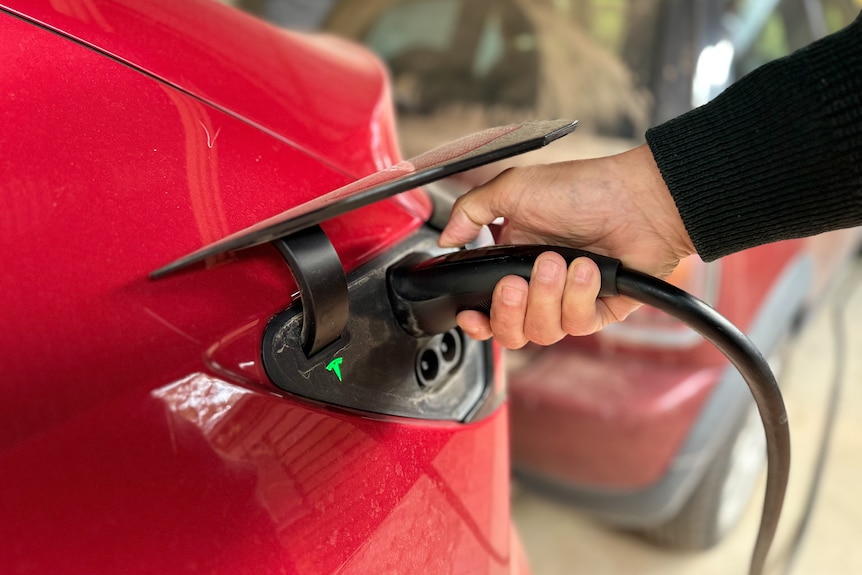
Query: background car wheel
x=717, y=503
x=719, y=500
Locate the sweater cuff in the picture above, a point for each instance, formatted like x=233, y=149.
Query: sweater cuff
x=777, y=155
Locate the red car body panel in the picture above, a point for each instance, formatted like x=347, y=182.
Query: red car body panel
x=139, y=431
x=616, y=425
x=324, y=95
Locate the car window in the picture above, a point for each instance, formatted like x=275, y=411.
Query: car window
x=416, y=25
x=764, y=34
x=509, y=60
x=449, y=52
x=491, y=47
x=839, y=13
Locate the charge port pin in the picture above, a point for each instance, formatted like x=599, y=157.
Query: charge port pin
x=428, y=367
x=450, y=346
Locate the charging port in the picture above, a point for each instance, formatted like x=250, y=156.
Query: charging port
x=438, y=358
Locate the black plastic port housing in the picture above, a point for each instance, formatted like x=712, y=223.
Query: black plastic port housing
x=375, y=365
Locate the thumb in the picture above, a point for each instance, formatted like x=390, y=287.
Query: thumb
x=470, y=212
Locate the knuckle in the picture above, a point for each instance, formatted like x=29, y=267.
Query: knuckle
x=460, y=202
x=507, y=180
x=508, y=173
x=543, y=330
x=541, y=337
x=579, y=324
x=508, y=332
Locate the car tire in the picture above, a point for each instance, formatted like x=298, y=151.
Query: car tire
x=722, y=495
x=725, y=490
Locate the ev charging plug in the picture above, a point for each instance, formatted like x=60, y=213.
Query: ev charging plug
x=427, y=294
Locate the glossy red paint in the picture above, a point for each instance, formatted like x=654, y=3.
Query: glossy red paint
x=582, y=419
x=322, y=94
x=206, y=476
x=140, y=434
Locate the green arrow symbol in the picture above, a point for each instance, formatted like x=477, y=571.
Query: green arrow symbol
x=335, y=367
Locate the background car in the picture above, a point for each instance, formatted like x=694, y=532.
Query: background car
x=642, y=425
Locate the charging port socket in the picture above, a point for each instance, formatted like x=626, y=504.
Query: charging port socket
x=439, y=358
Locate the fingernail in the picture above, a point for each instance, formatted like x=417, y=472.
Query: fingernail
x=583, y=273
x=548, y=270
x=511, y=296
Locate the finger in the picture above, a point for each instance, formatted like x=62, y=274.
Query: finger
x=475, y=324
x=580, y=315
x=475, y=209
x=468, y=217
x=543, y=322
x=508, y=308
x=614, y=309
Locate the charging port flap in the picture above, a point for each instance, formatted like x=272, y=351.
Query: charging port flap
x=467, y=153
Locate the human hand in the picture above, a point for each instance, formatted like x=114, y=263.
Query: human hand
x=617, y=206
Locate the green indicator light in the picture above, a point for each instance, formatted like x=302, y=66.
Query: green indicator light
x=335, y=367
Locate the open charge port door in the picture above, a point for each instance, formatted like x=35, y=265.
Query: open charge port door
x=375, y=365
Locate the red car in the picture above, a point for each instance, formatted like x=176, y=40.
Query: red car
x=141, y=430
x=213, y=420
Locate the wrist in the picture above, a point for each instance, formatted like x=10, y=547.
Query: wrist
x=659, y=202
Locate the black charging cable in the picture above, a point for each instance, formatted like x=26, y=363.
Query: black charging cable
x=427, y=294
x=756, y=372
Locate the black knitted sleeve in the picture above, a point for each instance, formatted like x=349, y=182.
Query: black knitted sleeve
x=777, y=155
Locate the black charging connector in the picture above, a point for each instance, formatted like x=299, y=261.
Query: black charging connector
x=426, y=295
